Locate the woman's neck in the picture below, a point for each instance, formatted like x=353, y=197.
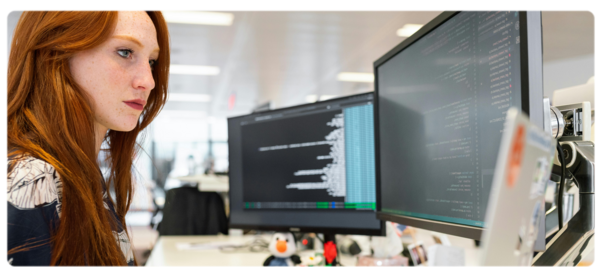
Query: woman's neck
x=100, y=131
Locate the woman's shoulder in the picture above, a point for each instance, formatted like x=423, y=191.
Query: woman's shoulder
x=32, y=183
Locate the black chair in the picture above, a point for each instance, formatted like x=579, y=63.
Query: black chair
x=187, y=211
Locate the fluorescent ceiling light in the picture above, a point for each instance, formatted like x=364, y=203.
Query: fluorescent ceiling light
x=189, y=97
x=311, y=98
x=326, y=97
x=408, y=29
x=206, y=18
x=194, y=70
x=356, y=77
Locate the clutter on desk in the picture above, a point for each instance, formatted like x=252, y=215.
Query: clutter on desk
x=330, y=253
x=418, y=254
x=391, y=261
x=192, y=246
x=387, y=246
x=348, y=246
x=442, y=255
x=283, y=249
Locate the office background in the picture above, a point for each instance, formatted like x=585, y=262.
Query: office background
x=288, y=58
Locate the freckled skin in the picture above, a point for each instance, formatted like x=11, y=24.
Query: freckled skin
x=110, y=74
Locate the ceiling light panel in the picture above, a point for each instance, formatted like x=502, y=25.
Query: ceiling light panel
x=194, y=70
x=408, y=29
x=204, y=18
x=356, y=77
x=311, y=98
x=326, y=97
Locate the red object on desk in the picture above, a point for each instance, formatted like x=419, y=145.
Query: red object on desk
x=329, y=251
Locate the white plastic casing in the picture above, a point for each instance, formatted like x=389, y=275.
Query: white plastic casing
x=576, y=94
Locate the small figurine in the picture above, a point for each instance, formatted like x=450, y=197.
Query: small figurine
x=283, y=247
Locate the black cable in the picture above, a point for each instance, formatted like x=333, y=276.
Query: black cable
x=561, y=159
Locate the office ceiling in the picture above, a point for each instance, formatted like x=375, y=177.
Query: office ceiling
x=284, y=56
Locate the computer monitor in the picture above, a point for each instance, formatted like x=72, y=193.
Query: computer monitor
x=441, y=97
x=308, y=168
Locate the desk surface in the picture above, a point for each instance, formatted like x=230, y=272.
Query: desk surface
x=165, y=253
x=208, y=183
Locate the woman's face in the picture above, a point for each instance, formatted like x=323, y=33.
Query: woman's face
x=117, y=74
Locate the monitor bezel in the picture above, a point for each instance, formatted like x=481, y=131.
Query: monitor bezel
x=304, y=229
x=531, y=67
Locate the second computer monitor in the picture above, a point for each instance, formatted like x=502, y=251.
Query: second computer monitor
x=307, y=168
x=442, y=96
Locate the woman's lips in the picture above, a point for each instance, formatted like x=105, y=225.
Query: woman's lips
x=134, y=105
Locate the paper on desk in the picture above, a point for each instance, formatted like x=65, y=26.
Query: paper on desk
x=185, y=246
x=442, y=255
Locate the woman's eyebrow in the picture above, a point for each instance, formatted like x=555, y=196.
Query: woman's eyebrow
x=133, y=40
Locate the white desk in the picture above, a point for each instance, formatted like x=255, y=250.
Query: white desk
x=165, y=253
x=208, y=183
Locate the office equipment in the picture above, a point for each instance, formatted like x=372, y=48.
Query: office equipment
x=442, y=95
x=516, y=205
x=308, y=168
x=575, y=237
x=572, y=122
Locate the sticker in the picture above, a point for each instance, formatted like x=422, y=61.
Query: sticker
x=540, y=178
x=515, y=157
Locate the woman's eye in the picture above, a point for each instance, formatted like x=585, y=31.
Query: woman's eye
x=124, y=53
x=152, y=62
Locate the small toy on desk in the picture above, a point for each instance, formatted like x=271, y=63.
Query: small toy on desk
x=330, y=253
x=283, y=248
x=312, y=260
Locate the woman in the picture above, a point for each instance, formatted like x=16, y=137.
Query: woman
x=78, y=81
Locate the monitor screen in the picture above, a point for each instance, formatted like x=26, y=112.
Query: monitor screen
x=305, y=168
x=442, y=100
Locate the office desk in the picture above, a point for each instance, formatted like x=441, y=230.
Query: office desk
x=165, y=253
x=208, y=183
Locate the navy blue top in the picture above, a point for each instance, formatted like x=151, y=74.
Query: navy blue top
x=34, y=206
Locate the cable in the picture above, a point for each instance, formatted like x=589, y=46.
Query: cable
x=561, y=159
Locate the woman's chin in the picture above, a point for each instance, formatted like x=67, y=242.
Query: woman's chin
x=125, y=126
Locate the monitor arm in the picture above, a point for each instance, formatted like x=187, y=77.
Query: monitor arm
x=576, y=239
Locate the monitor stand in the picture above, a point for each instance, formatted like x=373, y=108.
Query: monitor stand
x=331, y=237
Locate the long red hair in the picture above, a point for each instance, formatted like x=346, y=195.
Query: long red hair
x=51, y=118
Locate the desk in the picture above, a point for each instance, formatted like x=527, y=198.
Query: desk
x=208, y=183
x=165, y=252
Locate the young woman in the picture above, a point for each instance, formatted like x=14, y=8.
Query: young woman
x=77, y=80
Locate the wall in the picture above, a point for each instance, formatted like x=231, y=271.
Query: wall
x=568, y=72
